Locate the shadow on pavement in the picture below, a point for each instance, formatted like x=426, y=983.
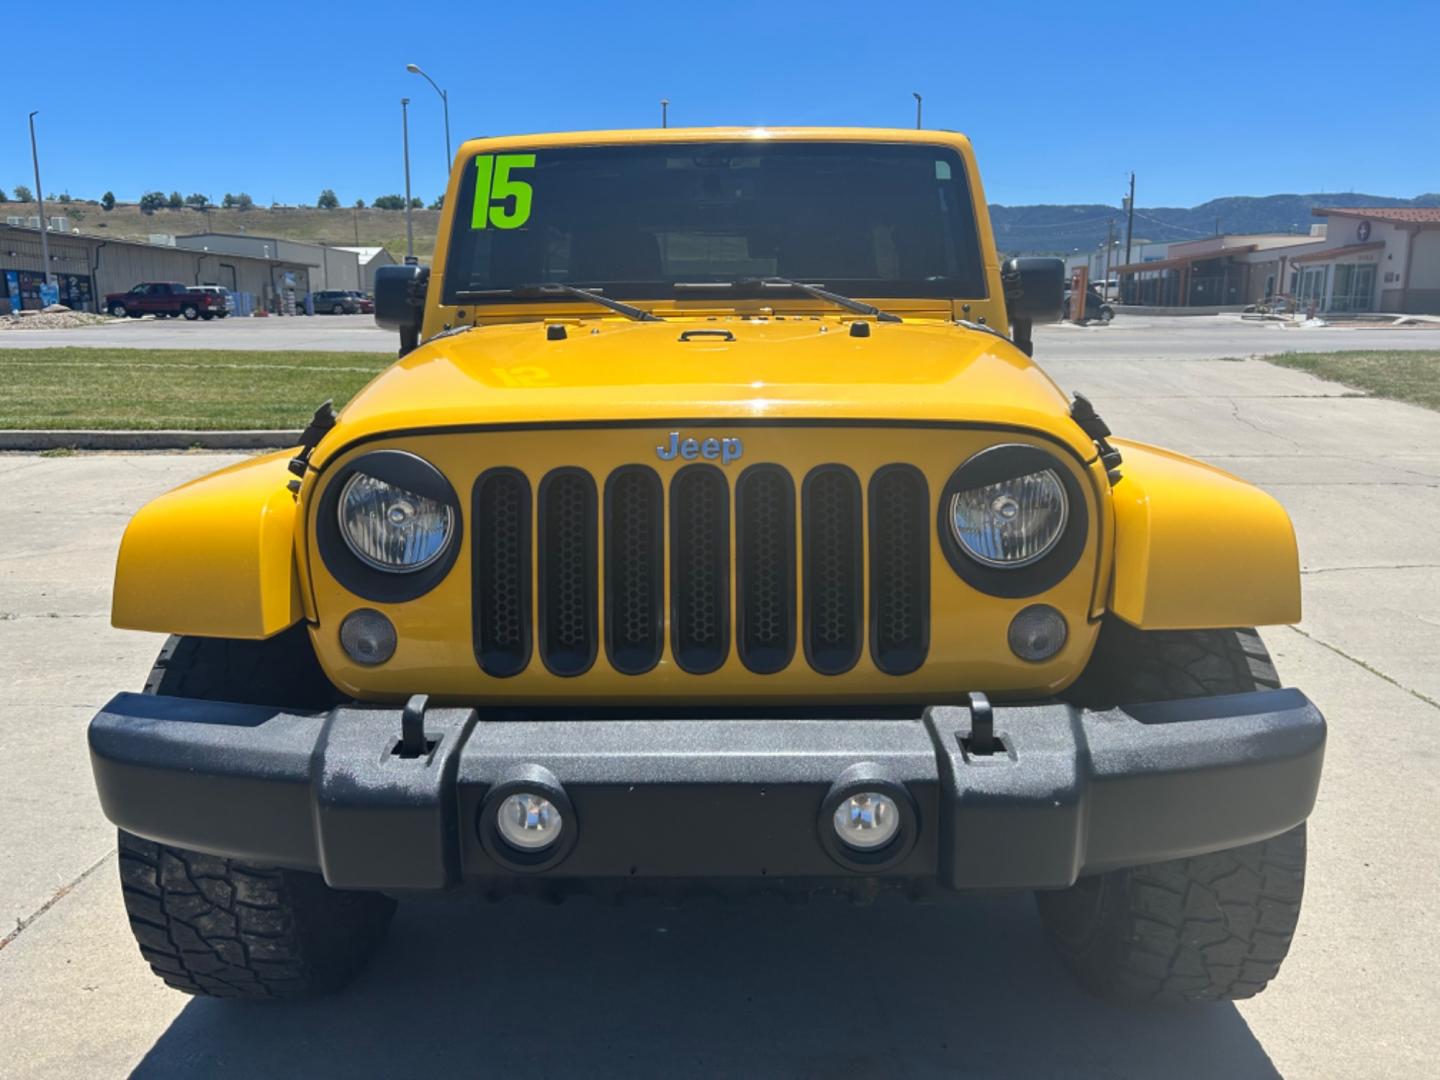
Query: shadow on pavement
x=462, y=987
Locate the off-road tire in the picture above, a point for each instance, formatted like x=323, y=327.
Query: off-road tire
x=1212, y=927
x=220, y=928
x=224, y=928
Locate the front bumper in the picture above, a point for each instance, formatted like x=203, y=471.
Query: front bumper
x=1069, y=792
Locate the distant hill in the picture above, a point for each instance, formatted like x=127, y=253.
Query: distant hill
x=1045, y=229
x=339, y=227
x=1061, y=230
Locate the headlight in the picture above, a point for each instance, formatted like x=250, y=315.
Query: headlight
x=1012, y=522
x=391, y=528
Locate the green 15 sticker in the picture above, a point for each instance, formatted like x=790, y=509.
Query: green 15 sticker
x=494, y=187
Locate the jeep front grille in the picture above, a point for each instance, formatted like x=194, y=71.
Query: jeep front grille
x=812, y=586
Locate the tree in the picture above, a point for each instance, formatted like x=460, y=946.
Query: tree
x=244, y=202
x=417, y=204
x=151, y=201
x=327, y=200
x=65, y=197
x=359, y=204
x=23, y=194
x=389, y=202
x=439, y=203
x=3, y=196
x=176, y=201
x=197, y=200
x=228, y=202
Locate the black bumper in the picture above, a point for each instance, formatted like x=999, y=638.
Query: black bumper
x=1069, y=792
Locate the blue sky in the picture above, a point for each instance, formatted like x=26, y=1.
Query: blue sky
x=1061, y=99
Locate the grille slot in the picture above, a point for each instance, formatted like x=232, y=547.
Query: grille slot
x=567, y=575
x=765, y=568
x=899, y=569
x=833, y=577
x=699, y=568
x=501, y=612
x=634, y=569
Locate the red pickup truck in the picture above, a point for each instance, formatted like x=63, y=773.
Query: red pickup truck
x=165, y=299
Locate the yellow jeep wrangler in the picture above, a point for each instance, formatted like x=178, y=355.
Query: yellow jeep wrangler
x=714, y=528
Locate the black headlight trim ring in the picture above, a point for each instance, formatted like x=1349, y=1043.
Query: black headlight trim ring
x=403, y=469
x=1006, y=462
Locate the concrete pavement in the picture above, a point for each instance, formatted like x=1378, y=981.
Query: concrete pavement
x=777, y=990
x=1131, y=337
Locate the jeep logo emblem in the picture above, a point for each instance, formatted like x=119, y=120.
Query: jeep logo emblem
x=724, y=450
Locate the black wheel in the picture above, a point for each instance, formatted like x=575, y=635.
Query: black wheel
x=338, y=309
x=207, y=315
x=118, y=311
x=1106, y=313
x=190, y=311
x=1212, y=927
x=220, y=927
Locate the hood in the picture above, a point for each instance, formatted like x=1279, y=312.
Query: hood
x=710, y=368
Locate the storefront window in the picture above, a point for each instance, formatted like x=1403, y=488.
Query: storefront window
x=1354, y=287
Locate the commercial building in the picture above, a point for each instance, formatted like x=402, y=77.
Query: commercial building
x=1373, y=258
x=327, y=267
x=88, y=267
x=370, y=258
x=1216, y=272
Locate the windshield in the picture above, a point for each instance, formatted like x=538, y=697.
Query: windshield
x=864, y=219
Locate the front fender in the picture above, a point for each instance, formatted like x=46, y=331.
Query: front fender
x=215, y=557
x=1197, y=548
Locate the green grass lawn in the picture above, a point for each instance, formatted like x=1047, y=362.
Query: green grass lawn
x=1400, y=376
x=162, y=388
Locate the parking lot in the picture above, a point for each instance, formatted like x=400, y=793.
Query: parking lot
x=893, y=990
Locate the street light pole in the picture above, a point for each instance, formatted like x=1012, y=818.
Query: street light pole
x=917, y=109
x=664, y=112
x=409, y=221
x=415, y=69
x=40, y=195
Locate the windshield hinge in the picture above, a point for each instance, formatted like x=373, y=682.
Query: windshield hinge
x=320, y=424
x=1084, y=414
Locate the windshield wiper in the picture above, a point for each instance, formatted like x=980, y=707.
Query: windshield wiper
x=558, y=288
x=858, y=306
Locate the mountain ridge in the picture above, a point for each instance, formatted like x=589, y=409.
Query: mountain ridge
x=1063, y=229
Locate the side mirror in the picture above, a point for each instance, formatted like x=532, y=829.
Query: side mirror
x=1034, y=290
x=400, y=302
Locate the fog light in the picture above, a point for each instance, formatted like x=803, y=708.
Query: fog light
x=367, y=637
x=1037, y=633
x=867, y=820
x=529, y=822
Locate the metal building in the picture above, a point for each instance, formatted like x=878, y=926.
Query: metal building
x=329, y=267
x=88, y=267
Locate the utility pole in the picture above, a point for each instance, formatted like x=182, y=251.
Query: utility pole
x=664, y=112
x=40, y=195
x=1129, y=218
x=410, y=259
x=917, y=109
x=1109, y=246
x=355, y=217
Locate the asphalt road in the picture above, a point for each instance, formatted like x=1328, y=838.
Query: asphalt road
x=888, y=990
x=1130, y=337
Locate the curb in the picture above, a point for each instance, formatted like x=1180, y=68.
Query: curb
x=148, y=440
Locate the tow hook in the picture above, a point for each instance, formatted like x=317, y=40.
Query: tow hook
x=413, y=743
x=981, y=741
